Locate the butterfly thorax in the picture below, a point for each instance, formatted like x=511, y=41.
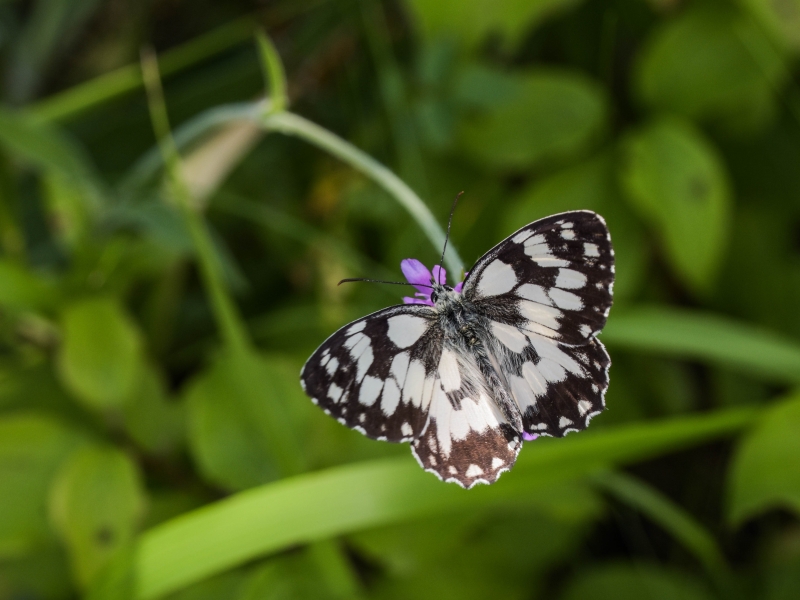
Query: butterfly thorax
x=467, y=331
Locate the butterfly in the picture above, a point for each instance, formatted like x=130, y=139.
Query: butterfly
x=468, y=373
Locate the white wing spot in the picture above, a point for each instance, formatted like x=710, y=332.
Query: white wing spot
x=356, y=327
x=565, y=300
x=362, y=417
x=585, y=330
x=567, y=225
x=474, y=471
x=511, y=337
x=569, y=279
x=390, y=397
x=497, y=463
x=406, y=430
x=563, y=422
x=584, y=406
x=521, y=236
x=453, y=470
x=568, y=234
x=400, y=368
x=370, y=390
x=595, y=389
x=405, y=330
x=591, y=249
x=448, y=371
x=498, y=278
x=534, y=293
x=332, y=365
x=539, y=426
x=334, y=392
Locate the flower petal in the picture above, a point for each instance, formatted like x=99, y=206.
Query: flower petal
x=416, y=274
x=529, y=437
x=458, y=287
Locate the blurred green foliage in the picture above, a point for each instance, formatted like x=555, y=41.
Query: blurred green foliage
x=159, y=292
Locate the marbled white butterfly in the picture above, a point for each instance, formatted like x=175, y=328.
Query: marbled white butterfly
x=511, y=355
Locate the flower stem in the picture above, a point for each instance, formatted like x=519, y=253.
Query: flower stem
x=291, y=124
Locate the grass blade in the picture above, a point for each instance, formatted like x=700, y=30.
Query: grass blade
x=707, y=337
x=336, y=501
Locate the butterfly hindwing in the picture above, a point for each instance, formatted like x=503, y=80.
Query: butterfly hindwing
x=553, y=278
x=376, y=374
x=467, y=439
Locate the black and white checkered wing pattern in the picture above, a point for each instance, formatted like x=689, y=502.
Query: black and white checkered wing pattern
x=556, y=273
x=467, y=439
x=546, y=291
x=377, y=375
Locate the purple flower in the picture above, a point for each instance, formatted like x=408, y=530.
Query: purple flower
x=421, y=278
x=529, y=437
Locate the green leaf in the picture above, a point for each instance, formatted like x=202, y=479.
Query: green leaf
x=676, y=181
x=712, y=63
x=152, y=418
x=708, y=337
x=634, y=582
x=527, y=117
x=471, y=22
x=764, y=474
x=345, y=499
x=32, y=447
x=274, y=74
x=238, y=431
x=101, y=354
x=22, y=289
x=96, y=503
x=592, y=185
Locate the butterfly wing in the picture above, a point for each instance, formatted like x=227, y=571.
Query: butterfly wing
x=546, y=291
x=556, y=274
x=467, y=440
x=377, y=374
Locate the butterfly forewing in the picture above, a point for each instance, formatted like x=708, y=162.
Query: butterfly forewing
x=376, y=374
x=553, y=278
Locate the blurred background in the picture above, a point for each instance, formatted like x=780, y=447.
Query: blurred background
x=153, y=321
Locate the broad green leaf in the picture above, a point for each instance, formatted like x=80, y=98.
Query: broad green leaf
x=22, y=289
x=708, y=337
x=237, y=432
x=350, y=498
x=676, y=181
x=96, y=503
x=32, y=447
x=764, y=474
x=152, y=418
x=618, y=581
x=591, y=185
x=101, y=353
x=520, y=119
x=712, y=63
x=472, y=22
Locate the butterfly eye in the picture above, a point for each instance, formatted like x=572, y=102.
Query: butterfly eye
x=434, y=297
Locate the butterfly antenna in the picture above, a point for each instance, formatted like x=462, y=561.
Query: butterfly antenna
x=449, y=223
x=381, y=281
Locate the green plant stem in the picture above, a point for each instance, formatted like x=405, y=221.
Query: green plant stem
x=228, y=319
x=673, y=519
x=291, y=124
